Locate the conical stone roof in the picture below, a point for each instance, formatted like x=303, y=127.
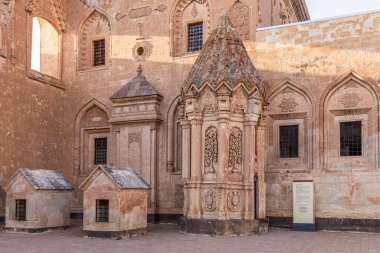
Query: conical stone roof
x=224, y=58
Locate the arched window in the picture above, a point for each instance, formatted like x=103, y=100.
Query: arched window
x=45, y=48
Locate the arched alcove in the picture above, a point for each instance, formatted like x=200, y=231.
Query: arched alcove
x=94, y=40
x=349, y=109
x=290, y=128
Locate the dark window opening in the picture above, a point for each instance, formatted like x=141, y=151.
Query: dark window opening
x=21, y=209
x=102, y=210
x=195, y=37
x=100, y=151
x=99, y=52
x=351, y=138
x=289, y=141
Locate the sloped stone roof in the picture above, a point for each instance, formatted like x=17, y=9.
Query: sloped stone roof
x=224, y=58
x=46, y=179
x=125, y=178
x=138, y=87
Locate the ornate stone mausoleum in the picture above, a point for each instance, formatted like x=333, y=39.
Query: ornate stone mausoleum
x=222, y=116
x=222, y=100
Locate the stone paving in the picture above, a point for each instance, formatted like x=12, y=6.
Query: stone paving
x=166, y=239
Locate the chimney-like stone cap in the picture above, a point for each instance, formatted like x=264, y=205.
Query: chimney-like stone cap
x=138, y=87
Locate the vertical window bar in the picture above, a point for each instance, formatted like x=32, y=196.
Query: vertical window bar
x=195, y=37
x=102, y=210
x=99, y=52
x=351, y=138
x=289, y=141
x=100, y=156
x=21, y=209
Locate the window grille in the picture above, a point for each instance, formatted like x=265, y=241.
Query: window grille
x=195, y=37
x=99, y=52
x=102, y=210
x=100, y=156
x=21, y=209
x=289, y=141
x=351, y=138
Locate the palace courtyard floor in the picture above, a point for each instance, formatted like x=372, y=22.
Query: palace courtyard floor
x=166, y=239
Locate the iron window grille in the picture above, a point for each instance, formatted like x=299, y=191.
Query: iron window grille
x=99, y=52
x=289, y=141
x=102, y=210
x=195, y=37
x=21, y=209
x=100, y=156
x=351, y=138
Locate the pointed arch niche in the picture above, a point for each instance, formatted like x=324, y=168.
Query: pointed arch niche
x=91, y=123
x=94, y=28
x=291, y=105
x=174, y=137
x=350, y=99
x=183, y=14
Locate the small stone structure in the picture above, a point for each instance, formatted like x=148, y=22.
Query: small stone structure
x=115, y=203
x=37, y=200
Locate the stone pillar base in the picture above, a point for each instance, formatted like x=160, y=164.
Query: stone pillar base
x=116, y=235
x=219, y=227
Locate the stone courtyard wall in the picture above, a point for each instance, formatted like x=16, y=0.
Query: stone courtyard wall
x=314, y=59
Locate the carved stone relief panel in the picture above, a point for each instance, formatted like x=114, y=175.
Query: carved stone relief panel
x=235, y=150
x=135, y=151
x=208, y=102
x=179, y=196
x=234, y=201
x=209, y=201
x=239, y=102
x=211, y=150
x=239, y=14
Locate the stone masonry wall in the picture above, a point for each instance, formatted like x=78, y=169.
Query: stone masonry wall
x=314, y=55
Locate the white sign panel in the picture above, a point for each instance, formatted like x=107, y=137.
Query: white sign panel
x=303, y=202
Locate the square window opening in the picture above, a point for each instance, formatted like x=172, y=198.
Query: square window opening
x=102, y=210
x=100, y=156
x=289, y=141
x=99, y=52
x=195, y=37
x=351, y=138
x=21, y=209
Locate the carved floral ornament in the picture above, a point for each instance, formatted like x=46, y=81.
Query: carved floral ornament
x=350, y=100
x=234, y=201
x=239, y=14
x=288, y=105
x=210, y=201
x=179, y=196
x=211, y=150
x=235, y=149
